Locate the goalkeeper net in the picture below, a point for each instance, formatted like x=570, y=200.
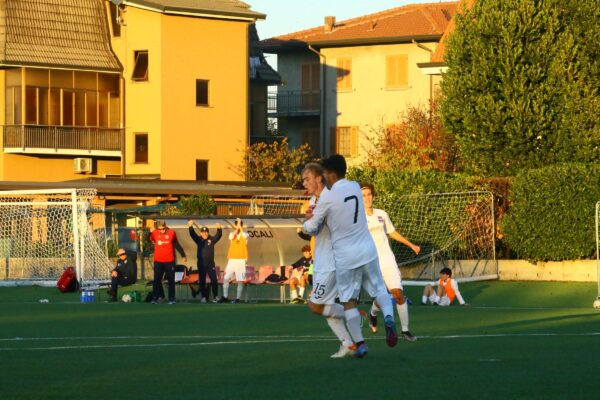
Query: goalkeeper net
x=44, y=231
x=278, y=205
x=454, y=230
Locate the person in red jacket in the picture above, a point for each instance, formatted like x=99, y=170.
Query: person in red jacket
x=165, y=244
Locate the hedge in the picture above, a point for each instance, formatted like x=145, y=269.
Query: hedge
x=552, y=212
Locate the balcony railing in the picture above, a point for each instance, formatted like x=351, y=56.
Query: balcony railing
x=294, y=103
x=268, y=139
x=41, y=139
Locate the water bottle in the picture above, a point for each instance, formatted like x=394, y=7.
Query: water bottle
x=92, y=296
x=83, y=296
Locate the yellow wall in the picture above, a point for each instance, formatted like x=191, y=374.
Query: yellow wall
x=181, y=50
x=369, y=104
x=48, y=169
x=143, y=100
x=213, y=50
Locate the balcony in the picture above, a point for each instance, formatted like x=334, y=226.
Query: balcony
x=62, y=140
x=294, y=104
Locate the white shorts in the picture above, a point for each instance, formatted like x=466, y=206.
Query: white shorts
x=392, y=278
x=324, y=288
x=237, y=267
x=443, y=301
x=350, y=281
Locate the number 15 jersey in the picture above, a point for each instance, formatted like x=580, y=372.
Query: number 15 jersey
x=342, y=206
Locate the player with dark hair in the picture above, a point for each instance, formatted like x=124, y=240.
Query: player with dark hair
x=299, y=278
x=322, y=299
x=447, y=291
x=356, y=262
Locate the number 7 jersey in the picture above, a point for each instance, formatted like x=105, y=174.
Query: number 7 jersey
x=343, y=209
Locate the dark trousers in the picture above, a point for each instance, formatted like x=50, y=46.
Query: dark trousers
x=160, y=270
x=119, y=281
x=210, y=270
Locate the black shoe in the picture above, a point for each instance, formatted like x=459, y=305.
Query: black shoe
x=373, y=323
x=406, y=335
x=236, y=301
x=223, y=300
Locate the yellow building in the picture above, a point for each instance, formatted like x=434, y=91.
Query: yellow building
x=345, y=80
x=145, y=89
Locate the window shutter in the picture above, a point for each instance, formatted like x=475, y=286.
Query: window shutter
x=354, y=142
x=402, y=70
x=316, y=76
x=305, y=79
x=390, y=71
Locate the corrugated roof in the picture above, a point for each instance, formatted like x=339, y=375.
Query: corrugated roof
x=233, y=8
x=411, y=21
x=56, y=33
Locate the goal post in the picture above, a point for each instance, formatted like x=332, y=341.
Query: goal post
x=42, y=232
x=454, y=230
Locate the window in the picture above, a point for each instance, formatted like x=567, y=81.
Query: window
x=201, y=92
x=344, y=141
x=396, y=72
x=141, y=148
x=140, y=69
x=201, y=170
x=344, y=74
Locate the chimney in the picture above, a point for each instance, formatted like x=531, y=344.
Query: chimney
x=329, y=24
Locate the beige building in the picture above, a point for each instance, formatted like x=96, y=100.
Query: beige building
x=345, y=80
x=136, y=89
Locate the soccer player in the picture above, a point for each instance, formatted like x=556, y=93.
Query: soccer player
x=165, y=243
x=236, y=263
x=354, y=251
x=447, y=291
x=381, y=228
x=322, y=300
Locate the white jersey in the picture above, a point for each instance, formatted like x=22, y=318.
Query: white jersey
x=380, y=226
x=343, y=209
x=323, y=260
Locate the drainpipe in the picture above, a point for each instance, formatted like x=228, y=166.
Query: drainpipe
x=323, y=98
x=421, y=46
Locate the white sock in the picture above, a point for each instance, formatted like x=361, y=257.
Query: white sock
x=333, y=311
x=424, y=299
x=225, y=289
x=339, y=329
x=403, y=313
x=293, y=294
x=301, y=292
x=374, y=309
x=240, y=289
x=353, y=323
x=385, y=302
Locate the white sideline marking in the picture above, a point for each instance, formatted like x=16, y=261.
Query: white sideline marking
x=247, y=340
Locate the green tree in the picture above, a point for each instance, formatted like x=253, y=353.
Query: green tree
x=274, y=162
x=522, y=85
x=197, y=204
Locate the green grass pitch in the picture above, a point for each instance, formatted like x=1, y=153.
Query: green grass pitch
x=517, y=341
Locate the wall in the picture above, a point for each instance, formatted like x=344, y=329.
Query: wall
x=143, y=100
x=214, y=50
x=571, y=271
x=369, y=104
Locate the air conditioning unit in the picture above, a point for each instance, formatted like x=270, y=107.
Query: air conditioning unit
x=82, y=165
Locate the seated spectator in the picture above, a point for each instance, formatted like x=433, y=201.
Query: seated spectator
x=124, y=274
x=447, y=291
x=299, y=278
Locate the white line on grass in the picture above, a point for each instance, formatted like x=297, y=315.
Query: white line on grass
x=251, y=340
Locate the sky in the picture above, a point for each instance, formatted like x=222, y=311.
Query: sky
x=286, y=16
